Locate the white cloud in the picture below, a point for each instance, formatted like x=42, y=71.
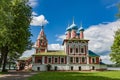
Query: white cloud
x=38, y=20
x=60, y=38
x=101, y=36
x=112, y=5
x=55, y=47
x=106, y=59
x=33, y=3
x=34, y=14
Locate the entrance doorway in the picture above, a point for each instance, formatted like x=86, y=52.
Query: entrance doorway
x=93, y=67
x=38, y=68
x=48, y=67
x=79, y=68
x=71, y=67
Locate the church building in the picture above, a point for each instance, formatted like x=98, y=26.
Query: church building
x=76, y=56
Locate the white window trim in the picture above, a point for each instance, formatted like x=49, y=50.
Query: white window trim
x=94, y=59
x=83, y=50
x=48, y=59
x=72, y=59
x=54, y=59
x=78, y=60
x=84, y=60
x=63, y=60
x=75, y=50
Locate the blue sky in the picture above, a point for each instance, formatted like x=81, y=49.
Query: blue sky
x=60, y=12
x=97, y=17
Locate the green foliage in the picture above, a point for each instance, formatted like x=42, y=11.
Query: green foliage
x=104, y=75
x=115, y=48
x=15, y=18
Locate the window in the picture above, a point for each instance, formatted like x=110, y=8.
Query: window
x=71, y=50
x=82, y=50
x=56, y=60
x=83, y=59
x=62, y=60
x=49, y=60
x=93, y=60
x=71, y=59
x=76, y=50
x=39, y=61
x=77, y=60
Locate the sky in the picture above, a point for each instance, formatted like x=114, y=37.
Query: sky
x=97, y=18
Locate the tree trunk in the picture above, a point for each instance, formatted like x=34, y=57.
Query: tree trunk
x=5, y=53
x=9, y=65
x=1, y=60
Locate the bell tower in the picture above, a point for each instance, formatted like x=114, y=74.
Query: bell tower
x=41, y=43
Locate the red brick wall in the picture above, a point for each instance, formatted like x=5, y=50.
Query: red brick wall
x=97, y=60
x=90, y=60
x=45, y=59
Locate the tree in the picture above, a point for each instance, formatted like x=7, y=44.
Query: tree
x=14, y=28
x=115, y=48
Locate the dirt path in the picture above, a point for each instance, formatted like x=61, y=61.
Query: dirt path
x=16, y=75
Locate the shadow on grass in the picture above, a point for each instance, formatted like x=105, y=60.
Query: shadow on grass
x=69, y=76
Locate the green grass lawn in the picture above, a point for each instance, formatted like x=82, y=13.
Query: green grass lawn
x=103, y=75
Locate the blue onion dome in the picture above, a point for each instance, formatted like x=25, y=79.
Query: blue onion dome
x=68, y=28
x=81, y=29
x=78, y=33
x=73, y=26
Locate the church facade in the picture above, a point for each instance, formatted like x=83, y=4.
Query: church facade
x=75, y=56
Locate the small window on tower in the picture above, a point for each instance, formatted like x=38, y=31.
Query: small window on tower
x=40, y=41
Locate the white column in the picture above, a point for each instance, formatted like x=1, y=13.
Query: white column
x=68, y=60
x=43, y=59
x=87, y=54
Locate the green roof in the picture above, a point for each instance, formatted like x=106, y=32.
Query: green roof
x=102, y=63
x=54, y=53
x=92, y=54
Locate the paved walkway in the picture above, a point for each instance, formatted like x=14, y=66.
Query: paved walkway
x=16, y=75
